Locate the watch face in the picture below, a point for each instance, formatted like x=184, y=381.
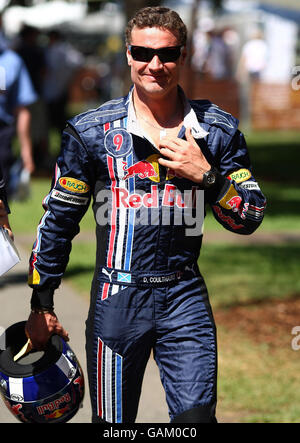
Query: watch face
x=209, y=179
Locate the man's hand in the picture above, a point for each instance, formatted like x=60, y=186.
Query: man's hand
x=184, y=157
x=40, y=327
x=4, y=220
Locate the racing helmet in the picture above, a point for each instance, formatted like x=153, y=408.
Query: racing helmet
x=42, y=386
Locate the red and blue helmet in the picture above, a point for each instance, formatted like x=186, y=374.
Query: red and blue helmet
x=41, y=387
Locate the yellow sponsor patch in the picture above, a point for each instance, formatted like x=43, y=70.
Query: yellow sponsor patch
x=74, y=185
x=227, y=197
x=241, y=175
x=34, y=278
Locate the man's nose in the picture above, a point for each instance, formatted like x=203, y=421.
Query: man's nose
x=155, y=63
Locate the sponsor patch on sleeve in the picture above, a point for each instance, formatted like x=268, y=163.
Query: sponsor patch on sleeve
x=250, y=185
x=230, y=196
x=240, y=176
x=67, y=198
x=73, y=185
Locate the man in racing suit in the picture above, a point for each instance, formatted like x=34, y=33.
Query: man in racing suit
x=146, y=159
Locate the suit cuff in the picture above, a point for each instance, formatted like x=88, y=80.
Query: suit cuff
x=219, y=189
x=42, y=299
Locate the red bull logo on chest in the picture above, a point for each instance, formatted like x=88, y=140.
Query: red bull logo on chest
x=142, y=169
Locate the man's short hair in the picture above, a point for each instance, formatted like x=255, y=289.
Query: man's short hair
x=159, y=17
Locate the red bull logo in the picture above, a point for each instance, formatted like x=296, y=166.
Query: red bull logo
x=53, y=406
x=57, y=414
x=226, y=218
x=171, y=197
x=143, y=169
x=234, y=203
x=135, y=201
x=148, y=168
x=16, y=410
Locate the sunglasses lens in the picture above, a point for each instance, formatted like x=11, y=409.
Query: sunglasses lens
x=142, y=54
x=169, y=54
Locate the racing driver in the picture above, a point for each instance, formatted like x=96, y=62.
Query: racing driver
x=142, y=159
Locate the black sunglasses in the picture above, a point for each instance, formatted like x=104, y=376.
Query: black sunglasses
x=143, y=54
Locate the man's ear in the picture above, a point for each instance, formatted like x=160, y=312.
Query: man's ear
x=128, y=55
x=183, y=55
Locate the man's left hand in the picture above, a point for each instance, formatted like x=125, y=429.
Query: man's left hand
x=184, y=157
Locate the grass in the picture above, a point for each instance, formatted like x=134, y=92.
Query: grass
x=240, y=274
x=255, y=384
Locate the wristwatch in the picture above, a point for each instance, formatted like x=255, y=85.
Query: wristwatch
x=209, y=178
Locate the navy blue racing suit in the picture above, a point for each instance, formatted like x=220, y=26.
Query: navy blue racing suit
x=147, y=292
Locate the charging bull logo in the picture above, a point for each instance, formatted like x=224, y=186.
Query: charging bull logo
x=142, y=169
x=16, y=410
x=235, y=203
x=148, y=168
x=57, y=413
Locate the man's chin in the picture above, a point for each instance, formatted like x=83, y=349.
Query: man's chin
x=156, y=89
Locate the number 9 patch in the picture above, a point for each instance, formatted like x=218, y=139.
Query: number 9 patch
x=118, y=142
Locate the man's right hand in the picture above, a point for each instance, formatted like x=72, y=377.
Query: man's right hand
x=40, y=327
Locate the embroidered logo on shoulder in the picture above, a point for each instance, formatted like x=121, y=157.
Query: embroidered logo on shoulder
x=74, y=185
x=240, y=176
x=216, y=115
x=118, y=142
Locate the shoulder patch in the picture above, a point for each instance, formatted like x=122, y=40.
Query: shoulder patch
x=108, y=112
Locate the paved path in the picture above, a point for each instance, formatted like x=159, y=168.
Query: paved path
x=72, y=310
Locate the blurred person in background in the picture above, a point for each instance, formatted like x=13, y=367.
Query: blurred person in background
x=61, y=63
x=29, y=48
x=16, y=94
x=254, y=58
x=218, y=63
x=143, y=152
